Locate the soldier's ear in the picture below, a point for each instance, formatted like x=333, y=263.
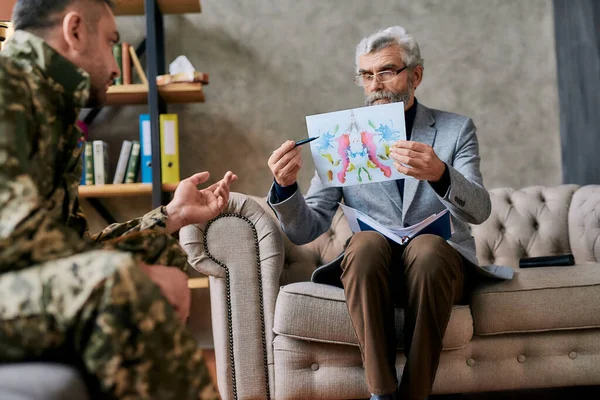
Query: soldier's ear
x=74, y=31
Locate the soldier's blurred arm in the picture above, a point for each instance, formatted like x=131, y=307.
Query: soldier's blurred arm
x=189, y=206
x=156, y=218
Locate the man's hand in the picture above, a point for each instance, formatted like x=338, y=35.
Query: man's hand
x=193, y=206
x=285, y=162
x=173, y=284
x=420, y=158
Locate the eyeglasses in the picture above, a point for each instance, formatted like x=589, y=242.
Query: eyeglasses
x=382, y=77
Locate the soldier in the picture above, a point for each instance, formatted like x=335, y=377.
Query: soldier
x=107, y=303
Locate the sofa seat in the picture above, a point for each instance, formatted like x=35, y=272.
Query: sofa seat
x=41, y=381
x=539, y=299
x=318, y=313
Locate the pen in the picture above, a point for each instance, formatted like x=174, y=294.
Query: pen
x=303, y=141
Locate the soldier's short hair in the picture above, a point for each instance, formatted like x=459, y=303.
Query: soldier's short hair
x=38, y=15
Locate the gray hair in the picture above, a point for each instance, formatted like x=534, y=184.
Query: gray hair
x=394, y=35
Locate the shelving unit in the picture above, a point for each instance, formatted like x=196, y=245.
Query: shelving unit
x=121, y=190
x=138, y=94
x=156, y=97
x=136, y=7
x=198, y=283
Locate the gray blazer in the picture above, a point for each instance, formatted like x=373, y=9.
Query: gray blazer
x=453, y=139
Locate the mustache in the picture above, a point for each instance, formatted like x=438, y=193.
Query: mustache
x=386, y=95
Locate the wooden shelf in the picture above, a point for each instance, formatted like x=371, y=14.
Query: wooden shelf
x=198, y=283
x=121, y=190
x=128, y=7
x=136, y=7
x=172, y=93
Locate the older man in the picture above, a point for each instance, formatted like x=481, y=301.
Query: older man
x=429, y=275
x=112, y=304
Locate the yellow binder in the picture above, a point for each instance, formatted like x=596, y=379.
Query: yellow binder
x=169, y=148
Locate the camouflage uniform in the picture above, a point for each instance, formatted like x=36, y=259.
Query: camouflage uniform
x=65, y=295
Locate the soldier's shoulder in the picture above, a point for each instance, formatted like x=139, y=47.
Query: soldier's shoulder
x=14, y=77
x=12, y=67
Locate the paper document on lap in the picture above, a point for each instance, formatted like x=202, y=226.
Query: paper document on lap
x=439, y=224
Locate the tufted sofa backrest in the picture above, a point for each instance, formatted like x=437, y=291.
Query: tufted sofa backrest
x=584, y=224
x=529, y=222
x=301, y=261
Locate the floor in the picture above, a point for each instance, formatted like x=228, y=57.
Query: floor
x=573, y=393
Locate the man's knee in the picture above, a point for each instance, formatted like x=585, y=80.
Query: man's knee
x=430, y=257
x=367, y=253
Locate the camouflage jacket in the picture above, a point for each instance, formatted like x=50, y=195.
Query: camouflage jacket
x=41, y=94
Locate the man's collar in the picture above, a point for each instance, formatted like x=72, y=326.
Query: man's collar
x=63, y=75
x=412, y=110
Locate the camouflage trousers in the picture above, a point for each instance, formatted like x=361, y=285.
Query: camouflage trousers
x=99, y=311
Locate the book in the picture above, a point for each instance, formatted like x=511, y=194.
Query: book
x=146, y=148
x=126, y=63
x=83, y=128
x=439, y=224
x=122, y=163
x=169, y=148
x=82, y=180
x=117, y=53
x=138, y=66
x=133, y=162
x=88, y=154
x=100, y=162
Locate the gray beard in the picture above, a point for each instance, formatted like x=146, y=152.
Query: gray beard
x=386, y=94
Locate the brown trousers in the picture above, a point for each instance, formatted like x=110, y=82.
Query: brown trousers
x=426, y=278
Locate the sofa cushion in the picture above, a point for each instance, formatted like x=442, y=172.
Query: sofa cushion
x=539, y=299
x=41, y=381
x=318, y=313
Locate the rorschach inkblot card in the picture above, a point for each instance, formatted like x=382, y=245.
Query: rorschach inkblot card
x=353, y=146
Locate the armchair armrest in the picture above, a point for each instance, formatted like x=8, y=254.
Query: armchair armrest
x=242, y=253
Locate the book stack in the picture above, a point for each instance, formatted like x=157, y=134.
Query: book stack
x=96, y=167
x=126, y=57
x=134, y=156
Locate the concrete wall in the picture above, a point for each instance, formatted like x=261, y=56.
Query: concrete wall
x=273, y=62
x=577, y=26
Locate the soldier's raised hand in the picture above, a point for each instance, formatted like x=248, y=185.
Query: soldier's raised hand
x=191, y=205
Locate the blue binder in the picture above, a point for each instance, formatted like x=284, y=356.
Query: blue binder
x=146, y=148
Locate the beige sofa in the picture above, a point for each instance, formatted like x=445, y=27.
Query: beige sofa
x=278, y=336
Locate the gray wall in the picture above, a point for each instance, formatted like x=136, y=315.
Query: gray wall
x=273, y=62
x=578, y=52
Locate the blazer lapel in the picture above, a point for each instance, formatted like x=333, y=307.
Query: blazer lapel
x=390, y=188
x=423, y=131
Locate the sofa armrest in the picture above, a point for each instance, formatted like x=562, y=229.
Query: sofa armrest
x=242, y=253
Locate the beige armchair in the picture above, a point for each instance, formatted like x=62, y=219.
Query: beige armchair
x=279, y=336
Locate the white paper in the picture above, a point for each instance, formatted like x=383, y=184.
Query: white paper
x=182, y=65
x=397, y=234
x=353, y=145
